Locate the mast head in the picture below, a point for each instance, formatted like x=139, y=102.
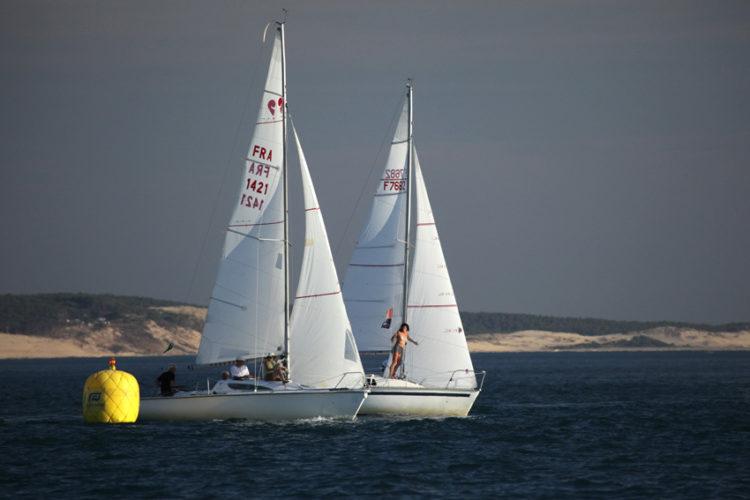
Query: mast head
x=283, y=21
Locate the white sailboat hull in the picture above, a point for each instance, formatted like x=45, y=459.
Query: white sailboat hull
x=392, y=397
x=262, y=406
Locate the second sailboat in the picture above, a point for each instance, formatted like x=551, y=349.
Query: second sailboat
x=389, y=282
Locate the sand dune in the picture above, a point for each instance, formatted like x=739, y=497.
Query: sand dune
x=108, y=342
x=676, y=338
x=100, y=342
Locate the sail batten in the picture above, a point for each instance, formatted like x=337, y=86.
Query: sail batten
x=377, y=265
x=228, y=303
x=318, y=295
x=379, y=195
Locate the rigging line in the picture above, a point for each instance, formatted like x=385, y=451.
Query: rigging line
x=386, y=139
x=251, y=89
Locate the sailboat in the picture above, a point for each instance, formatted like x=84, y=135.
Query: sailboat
x=249, y=315
x=385, y=286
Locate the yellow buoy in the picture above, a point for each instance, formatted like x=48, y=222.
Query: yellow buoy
x=111, y=396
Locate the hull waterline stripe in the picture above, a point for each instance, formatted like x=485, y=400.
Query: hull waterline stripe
x=446, y=305
x=300, y=392
x=375, y=392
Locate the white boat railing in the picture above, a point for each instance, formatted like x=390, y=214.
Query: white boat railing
x=483, y=373
x=347, y=375
x=452, y=380
x=455, y=376
x=473, y=374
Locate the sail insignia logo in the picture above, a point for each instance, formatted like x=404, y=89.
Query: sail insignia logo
x=95, y=397
x=272, y=106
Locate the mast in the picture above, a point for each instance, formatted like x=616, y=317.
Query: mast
x=409, y=163
x=286, y=190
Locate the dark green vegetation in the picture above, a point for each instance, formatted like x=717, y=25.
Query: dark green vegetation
x=483, y=322
x=637, y=342
x=46, y=315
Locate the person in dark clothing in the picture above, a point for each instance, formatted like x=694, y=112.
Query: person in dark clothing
x=166, y=381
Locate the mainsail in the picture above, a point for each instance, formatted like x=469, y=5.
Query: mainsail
x=374, y=282
x=246, y=311
x=319, y=325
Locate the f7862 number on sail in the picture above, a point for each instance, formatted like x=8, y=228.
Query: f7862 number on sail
x=394, y=180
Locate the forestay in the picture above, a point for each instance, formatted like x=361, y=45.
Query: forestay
x=246, y=310
x=374, y=279
x=321, y=335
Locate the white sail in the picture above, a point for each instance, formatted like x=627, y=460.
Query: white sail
x=374, y=280
x=442, y=357
x=246, y=311
x=323, y=350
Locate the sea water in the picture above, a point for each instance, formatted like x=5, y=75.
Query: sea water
x=546, y=425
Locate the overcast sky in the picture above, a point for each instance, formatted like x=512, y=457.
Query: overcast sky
x=583, y=158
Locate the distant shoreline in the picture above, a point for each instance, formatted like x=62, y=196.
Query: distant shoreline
x=656, y=339
x=14, y=346
x=84, y=325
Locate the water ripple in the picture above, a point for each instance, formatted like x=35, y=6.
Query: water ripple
x=562, y=425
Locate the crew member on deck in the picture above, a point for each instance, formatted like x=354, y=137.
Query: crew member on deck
x=270, y=368
x=239, y=370
x=166, y=381
x=401, y=336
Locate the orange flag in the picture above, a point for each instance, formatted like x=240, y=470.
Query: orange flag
x=388, y=318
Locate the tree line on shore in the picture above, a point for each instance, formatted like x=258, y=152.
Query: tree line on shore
x=484, y=322
x=44, y=314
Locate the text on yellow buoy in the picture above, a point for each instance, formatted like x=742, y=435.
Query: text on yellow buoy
x=111, y=396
